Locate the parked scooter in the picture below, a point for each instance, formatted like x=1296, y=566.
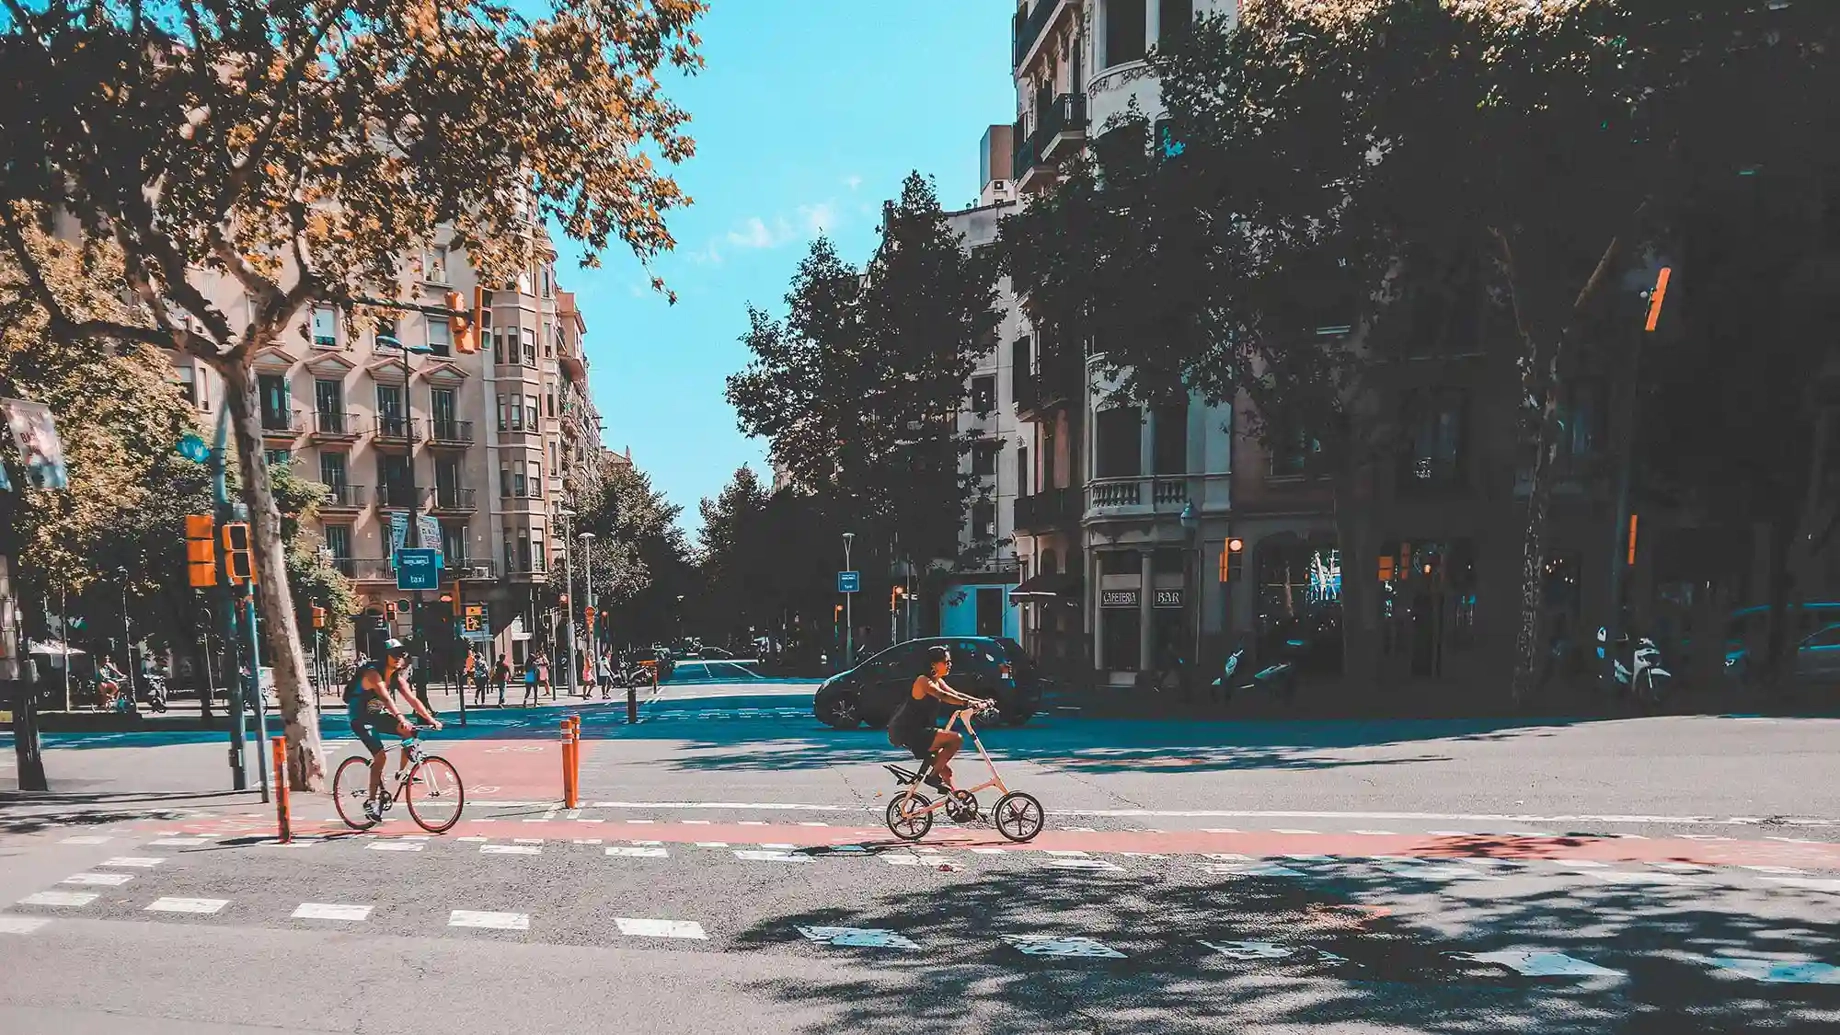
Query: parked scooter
x=1278, y=679
x=1645, y=678
x=156, y=691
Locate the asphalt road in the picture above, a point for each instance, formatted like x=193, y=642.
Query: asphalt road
x=728, y=870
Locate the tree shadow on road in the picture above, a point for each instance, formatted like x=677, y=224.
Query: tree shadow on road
x=1341, y=946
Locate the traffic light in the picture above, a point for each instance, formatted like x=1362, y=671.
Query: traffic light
x=239, y=558
x=1386, y=567
x=1232, y=560
x=588, y=616
x=1632, y=538
x=1656, y=296
x=319, y=617
x=463, y=324
x=389, y=610
x=201, y=549
x=894, y=597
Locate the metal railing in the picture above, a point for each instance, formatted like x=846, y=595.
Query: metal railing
x=450, y=497
x=1026, y=29
x=1066, y=115
x=281, y=423
x=344, y=497
x=329, y=422
x=372, y=569
x=1051, y=508
x=401, y=429
x=450, y=432
x=389, y=495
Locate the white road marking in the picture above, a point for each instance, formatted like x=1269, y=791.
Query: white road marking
x=1226, y=857
x=472, y=837
x=87, y=839
x=640, y=822
x=643, y=928
x=637, y=852
x=488, y=920
x=1049, y=945
x=330, y=911
x=899, y=858
x=1242, y=870
x=138, y=862
x=1375, y=833
x=987, y=851
x=696, y=822
x=858, y=937
x=21, y=924
x=1792, y=840
x=1806, y=883
x=1540, y=964
x=1250, y=950
x=781, y=847
x=753, y=823
x=175, y=904
x=1081, y=830
x=1448, y=833
x=751, y=855
x=587, y=840
x=110, y=879
x=527, y=840
x=1778, y=972
x=712, y=844
x=180, y=842
x=1142, y=855
x=1436, y=872
x=1066, y=853
x=395, y=846
x=1680, y=867
x=1220, y=830
x=60, y=898
x=1641, y=877
x=1085, y=864
x=1780, y=871
x=814, y=824
x=510, y=850
x=1580, y=864
x=1291, y=830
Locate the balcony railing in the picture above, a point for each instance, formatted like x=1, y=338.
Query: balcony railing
x=398, y=429
x=287, y=424
x=471, y=568
x=372, y=569
x=448, y=497
x=1063, y=120
x=450, y=432
x=1055, y=383
x=1026, y=29
x=1025, y=154
x=332, y=424
x=398, y=496
x=340, y=496
x=1051, y=509
x=345, y=566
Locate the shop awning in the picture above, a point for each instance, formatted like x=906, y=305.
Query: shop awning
x=1048, y=586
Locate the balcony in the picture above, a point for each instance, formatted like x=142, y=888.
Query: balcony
x=401, y=431
x=1062, y=127
x=395, y=497
x=372, y=569
x=281, y=426
x=1160, y=495
x=453, y=499
x=1048, y=511
x=344, y=497
x=345, y=566
x=532, y=572
x=470, y=569
x=330, y=426
x=1054, y=384
x=1026, y=30
x=450, y=434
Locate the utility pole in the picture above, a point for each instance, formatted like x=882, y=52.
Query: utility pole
x=849, y=621
x=239, y=778
x=568, y=604
x=587, y=560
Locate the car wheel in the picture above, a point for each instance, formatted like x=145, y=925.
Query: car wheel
x=842, y=713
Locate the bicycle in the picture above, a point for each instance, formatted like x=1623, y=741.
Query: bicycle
x=427, y=787
x=1017, y=814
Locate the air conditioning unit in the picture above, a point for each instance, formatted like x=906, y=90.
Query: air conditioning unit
x=480, y=571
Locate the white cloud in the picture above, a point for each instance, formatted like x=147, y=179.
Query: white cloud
x=819, y=218
x=755, y=233
x=852, y=181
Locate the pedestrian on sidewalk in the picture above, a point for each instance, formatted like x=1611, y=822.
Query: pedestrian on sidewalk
x=531, y=696
x=543, y=675
x=481, y=676
x=501, y=673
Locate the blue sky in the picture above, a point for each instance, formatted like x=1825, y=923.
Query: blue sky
x=809, y=113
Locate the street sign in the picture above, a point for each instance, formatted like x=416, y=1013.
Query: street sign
x=472, y=624
x=849, y=581
x=193, y=448
x=1118, y=598
x=1167, y=598
x=476, y=635
x=418, y=568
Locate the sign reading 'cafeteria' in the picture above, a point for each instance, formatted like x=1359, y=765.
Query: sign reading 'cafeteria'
x=1118, y=598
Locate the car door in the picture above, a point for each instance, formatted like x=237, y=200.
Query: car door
x=1818, y=658
x=885, y=679
x=974, y=667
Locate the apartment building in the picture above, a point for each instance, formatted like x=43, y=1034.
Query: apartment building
x=475, y=454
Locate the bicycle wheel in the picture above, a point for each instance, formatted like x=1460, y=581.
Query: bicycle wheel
x=1019, y=816
x=350, y=785
x=908, y=818
x=434, y=794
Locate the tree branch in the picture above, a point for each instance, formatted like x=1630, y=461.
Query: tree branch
x=63, y=325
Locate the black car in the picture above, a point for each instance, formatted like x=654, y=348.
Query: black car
x=982, y=666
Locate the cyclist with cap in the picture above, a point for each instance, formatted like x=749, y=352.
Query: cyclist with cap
x=369, y=702
x=915, y=725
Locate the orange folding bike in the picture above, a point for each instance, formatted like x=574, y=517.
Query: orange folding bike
x=1018, y=815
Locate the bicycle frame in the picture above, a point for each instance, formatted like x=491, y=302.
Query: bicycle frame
x=963, y=717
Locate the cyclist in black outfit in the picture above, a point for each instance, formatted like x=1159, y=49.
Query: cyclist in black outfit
x=915, y=723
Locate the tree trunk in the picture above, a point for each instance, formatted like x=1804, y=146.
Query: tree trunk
x=281, y=644
x=1533, y=542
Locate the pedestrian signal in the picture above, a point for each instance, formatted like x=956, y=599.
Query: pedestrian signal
x=200, y=550
x=239, y=557
x=319, y=617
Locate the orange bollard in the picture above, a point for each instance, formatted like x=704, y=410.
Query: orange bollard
x=568, y=764
x=575, y=738
x=283, y=821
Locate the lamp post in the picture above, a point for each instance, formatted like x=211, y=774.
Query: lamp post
x=849, y=622
x=127, y=636
x=1191, y=528
x=587, y=560
x=414, y=531
x=568, y=605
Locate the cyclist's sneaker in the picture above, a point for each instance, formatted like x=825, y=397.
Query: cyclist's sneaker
x=933, y=781
x=372, y=811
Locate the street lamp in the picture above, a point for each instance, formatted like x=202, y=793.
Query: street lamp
x=414, y=531
x=127, y=635
x=568, y=602
x=849, y=620
x=587, y=555
x=1191, y=528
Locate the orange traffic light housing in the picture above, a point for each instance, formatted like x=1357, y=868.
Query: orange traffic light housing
x=201, y=550
x=462, y=323
x=1657, y=296
x=239, y=557
x=319, y=617
x=1232, y=560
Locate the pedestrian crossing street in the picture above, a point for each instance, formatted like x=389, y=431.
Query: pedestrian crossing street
x=148, y=881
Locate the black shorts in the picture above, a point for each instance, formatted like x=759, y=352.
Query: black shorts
x=371, y=729
x=918, y=740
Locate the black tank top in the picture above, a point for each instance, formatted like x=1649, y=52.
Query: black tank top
x=915, y=714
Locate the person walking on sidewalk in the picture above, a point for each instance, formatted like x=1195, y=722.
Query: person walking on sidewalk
x=543, y=682
x=501, y=672
x=530, y=682
x=481, y=675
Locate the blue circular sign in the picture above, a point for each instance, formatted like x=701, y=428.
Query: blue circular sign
x=193, y=448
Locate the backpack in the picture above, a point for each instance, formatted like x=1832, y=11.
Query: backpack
x=354, y=690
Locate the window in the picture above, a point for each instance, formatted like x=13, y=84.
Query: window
x=498, y=347
x=332, y=470
x=504, y=480
x=510, y=552
x=1124, y=31
x=1117, y=562
x=1168, y=560
x=278, y=457
x=1173, y=18
x=530, y=346
x=523, y=547
x=1023, y=488
x=984, y=458
x=485, y=310
x=1581, y=419
x=390, y=410
x=549, y=402
x=1169, y=446
x=442, y=407
x=552, y=457
x=549, y=282
x=453, y=545
x=504, y=413
x=518, y=481
x=435, y=265
x=338, y=541
x=325, y=327
x=272, y=393
x=440, y=336
x=329, y=404
x=1119, y=434
x=531, y=413
x=393, y=480
x=385, y=335
x=1434, y=422
x=189, y=386
x=447, y=474
x=983, y=394
x=984, y=521
x=1293, y=454
x=537, y=556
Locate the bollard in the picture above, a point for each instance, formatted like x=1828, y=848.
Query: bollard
x=568, y=764
x=575, y=757
x=282, y=820
x=632, y=703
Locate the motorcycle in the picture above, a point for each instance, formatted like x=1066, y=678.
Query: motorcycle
x=156, y=691
x=1645, y=678
x=1278, y=679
